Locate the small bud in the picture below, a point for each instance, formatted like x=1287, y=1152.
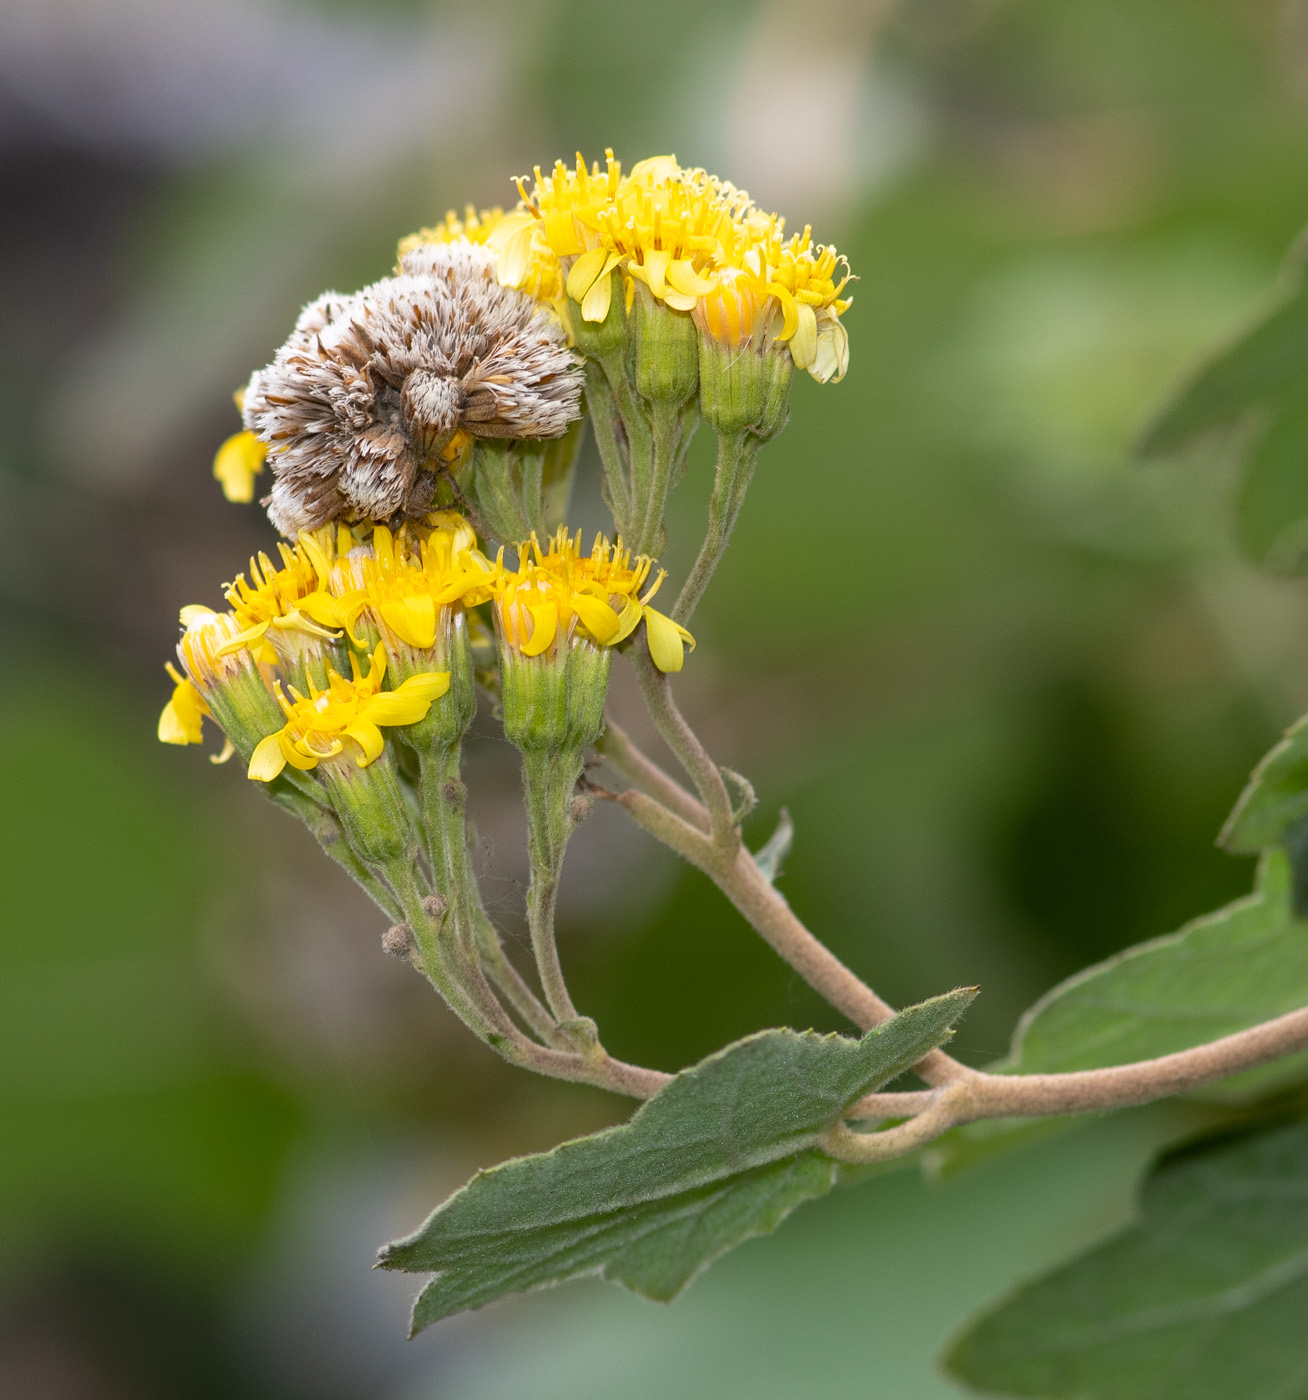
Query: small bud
x=455, y=792
x=435, y=905
x=579, y=808
x=398, y=941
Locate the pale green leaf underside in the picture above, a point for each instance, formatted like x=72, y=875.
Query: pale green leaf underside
x=727, y=1150
x=1220, y=974
x=1204, y=1299
x=1266, y=361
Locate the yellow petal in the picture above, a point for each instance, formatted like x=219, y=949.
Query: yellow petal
x=171, y=728
x=789, y=310
x=193, y=613
x=236, y=463
x=595, y=306
x=413, y=620
x=410, y=702
x=369, y=739
x=544, y=624
x=656, y=265
x=228, y=750
x=631, y=614
x=585, y=271
x=667, y=640
x=803, y=344
x=267, y=760
x=296, y=756
x=596, y=617
x=250, y=635
x=683, y=278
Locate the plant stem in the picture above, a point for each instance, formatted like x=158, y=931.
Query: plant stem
x=604, y=417
x=666, y=435
x=690, y=753
x=623, y=756
x=977, y=1095
x=737, y=452
x=548, y=779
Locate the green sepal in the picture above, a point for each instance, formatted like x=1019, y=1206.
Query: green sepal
x=598, y=340
x=554, y=702
x=733, y=384
x=667, y=350
x=372, y=809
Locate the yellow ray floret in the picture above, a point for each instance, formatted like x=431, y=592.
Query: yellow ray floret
x=235, y=465
x=181, y=721
x=557, y=592
x=659, y=224
x=317, y=727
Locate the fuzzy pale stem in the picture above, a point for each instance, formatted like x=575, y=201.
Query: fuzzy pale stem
x=548, y=782
x=737, y=452
x=608, y=426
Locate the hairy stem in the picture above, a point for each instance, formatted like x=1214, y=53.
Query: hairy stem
x=690, y=753
x=604, y=417
x=624, y=757
x=735, y=468
x=978, y=1095
x=548, y=780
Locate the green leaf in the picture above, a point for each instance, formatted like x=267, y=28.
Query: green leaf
x=1220, y=974
x=1269, y=358
x=726, y=1150
x=1273, y=504
x=1204, y=1299
x=1276, y=798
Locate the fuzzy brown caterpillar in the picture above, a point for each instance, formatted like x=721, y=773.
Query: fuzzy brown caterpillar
x=369, y=389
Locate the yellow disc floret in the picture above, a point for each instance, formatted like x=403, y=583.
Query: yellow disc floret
x=293, y=597
x=351, y=711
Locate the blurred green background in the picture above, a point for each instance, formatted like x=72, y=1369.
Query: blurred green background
x=1007, y=682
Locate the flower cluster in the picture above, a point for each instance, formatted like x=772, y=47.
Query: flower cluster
x=699, y=245
x=421, y=435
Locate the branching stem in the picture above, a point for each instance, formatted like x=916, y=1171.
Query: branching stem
x=976, y=1095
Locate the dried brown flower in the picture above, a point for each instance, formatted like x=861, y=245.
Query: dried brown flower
x=371, y=389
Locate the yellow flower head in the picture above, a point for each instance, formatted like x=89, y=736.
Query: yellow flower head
x=292, y=597
x=698, y=244
x=319, y=726
x=407, y=580
x=660, y=224
x=523, y=259
x=558, y=592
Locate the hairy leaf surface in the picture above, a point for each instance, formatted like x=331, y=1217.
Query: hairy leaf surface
x=726, y=1150
x=1204, y=1299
